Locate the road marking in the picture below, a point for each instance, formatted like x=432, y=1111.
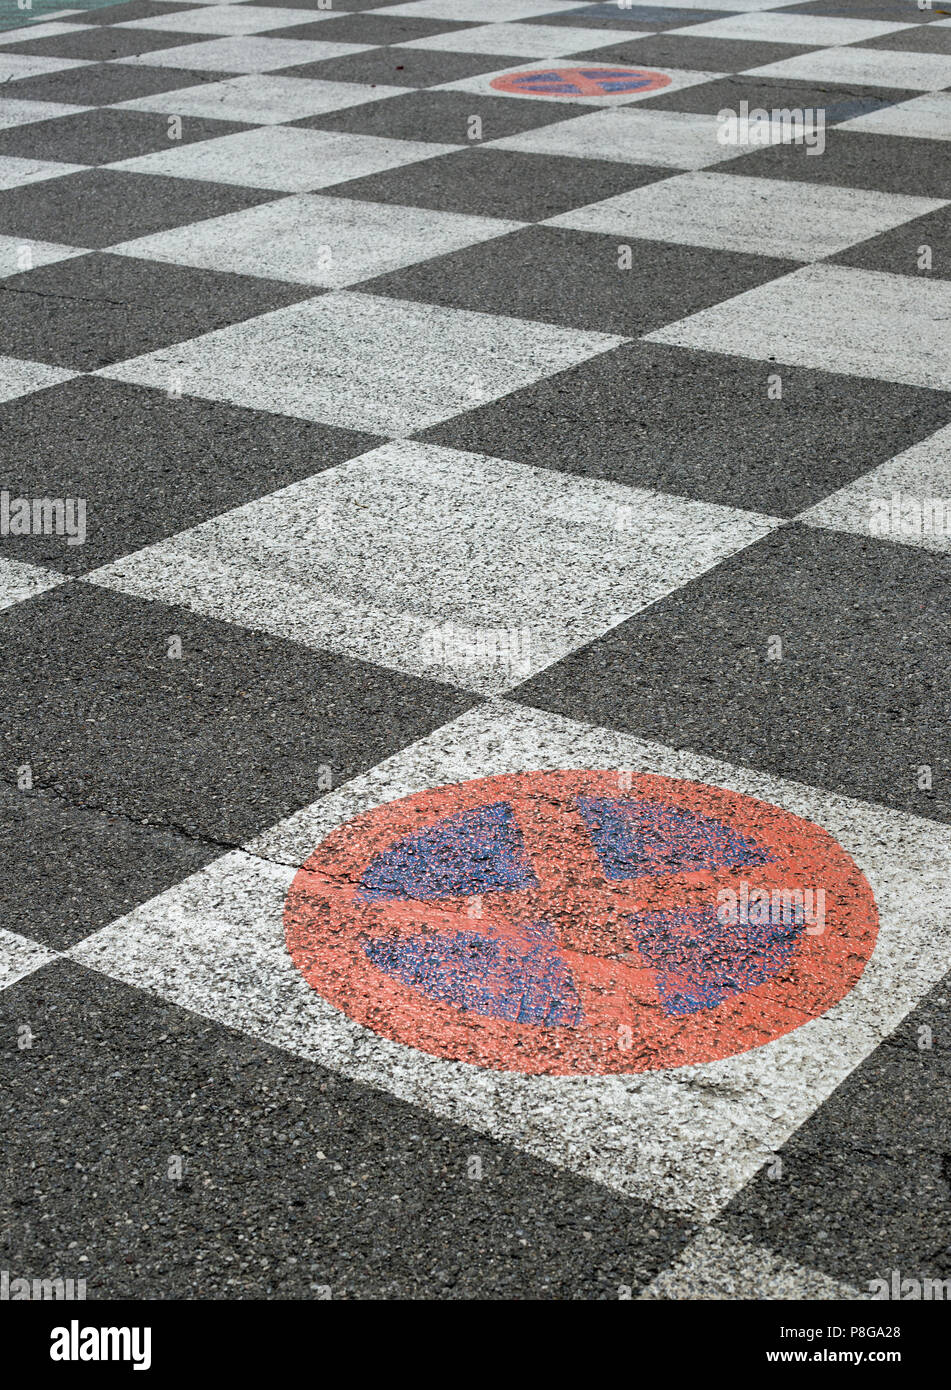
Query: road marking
x=551, y=922
x=580, y=82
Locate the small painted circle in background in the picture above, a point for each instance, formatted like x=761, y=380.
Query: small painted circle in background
x=580, y=922
x=580, y=82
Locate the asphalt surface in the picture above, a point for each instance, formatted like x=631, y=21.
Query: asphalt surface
x=447, y=401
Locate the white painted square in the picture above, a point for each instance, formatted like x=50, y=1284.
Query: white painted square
x=718, y=1265
x=18, y=377
x=18, y=254
x=767, y=217
x=244, y=54
x=749, y=6
x=14, y=171
x=366, y=362
x=873, y=67
x=481, y=11
x=18, y=955
x=924, y=118
x=261, y=99
x=863, y=322
x=284, y=158
x=686, y=1139
x=481, y=85
x=228, y=19
x=530, y=40
x=14, y=113
x=906, y=500
x=29, y=33
x=674, y=139
x=315, y=240
x=370, y=559
x=16, y=65
x=807, y=30
x=20, y=581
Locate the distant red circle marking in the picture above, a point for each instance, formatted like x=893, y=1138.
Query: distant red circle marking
x=588, y=81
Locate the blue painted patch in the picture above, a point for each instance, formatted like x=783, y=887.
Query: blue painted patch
x=474, y=852
x=550, y=80
x=700, y=961
x=619, y=80
x=521, y=981
x=635, y=838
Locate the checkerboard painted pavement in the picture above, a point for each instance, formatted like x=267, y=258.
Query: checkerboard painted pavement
x=434, y=425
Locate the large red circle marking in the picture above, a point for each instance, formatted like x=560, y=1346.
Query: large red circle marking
x=596, y=943
x=589, y=81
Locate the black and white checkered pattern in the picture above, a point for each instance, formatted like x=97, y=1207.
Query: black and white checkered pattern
x=344, y=346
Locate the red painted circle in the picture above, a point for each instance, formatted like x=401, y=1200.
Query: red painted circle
x=593, y=80
x=624, y=1020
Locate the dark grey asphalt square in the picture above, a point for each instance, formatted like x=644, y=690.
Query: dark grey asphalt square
x=900, y=250
x=610, y=15
x=702, y=425
x=892, y=11
x=125, y=14
x=67, y=871
x=100, y=84
x=858, y=702
x=857, y=159
x=487, y=182
x=103, y=136
x=401, y=67
x=94, y=310
x=334, y=1184
x=219, y=743
x=442, y=117
x=838, y=102
x=557, y=275
x=698, y=54
x=88, y=437
x=103, y=43
x=374, y=29
x=929, y=38
x=864, y=1187
x=101, y=207
x=343, y=6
